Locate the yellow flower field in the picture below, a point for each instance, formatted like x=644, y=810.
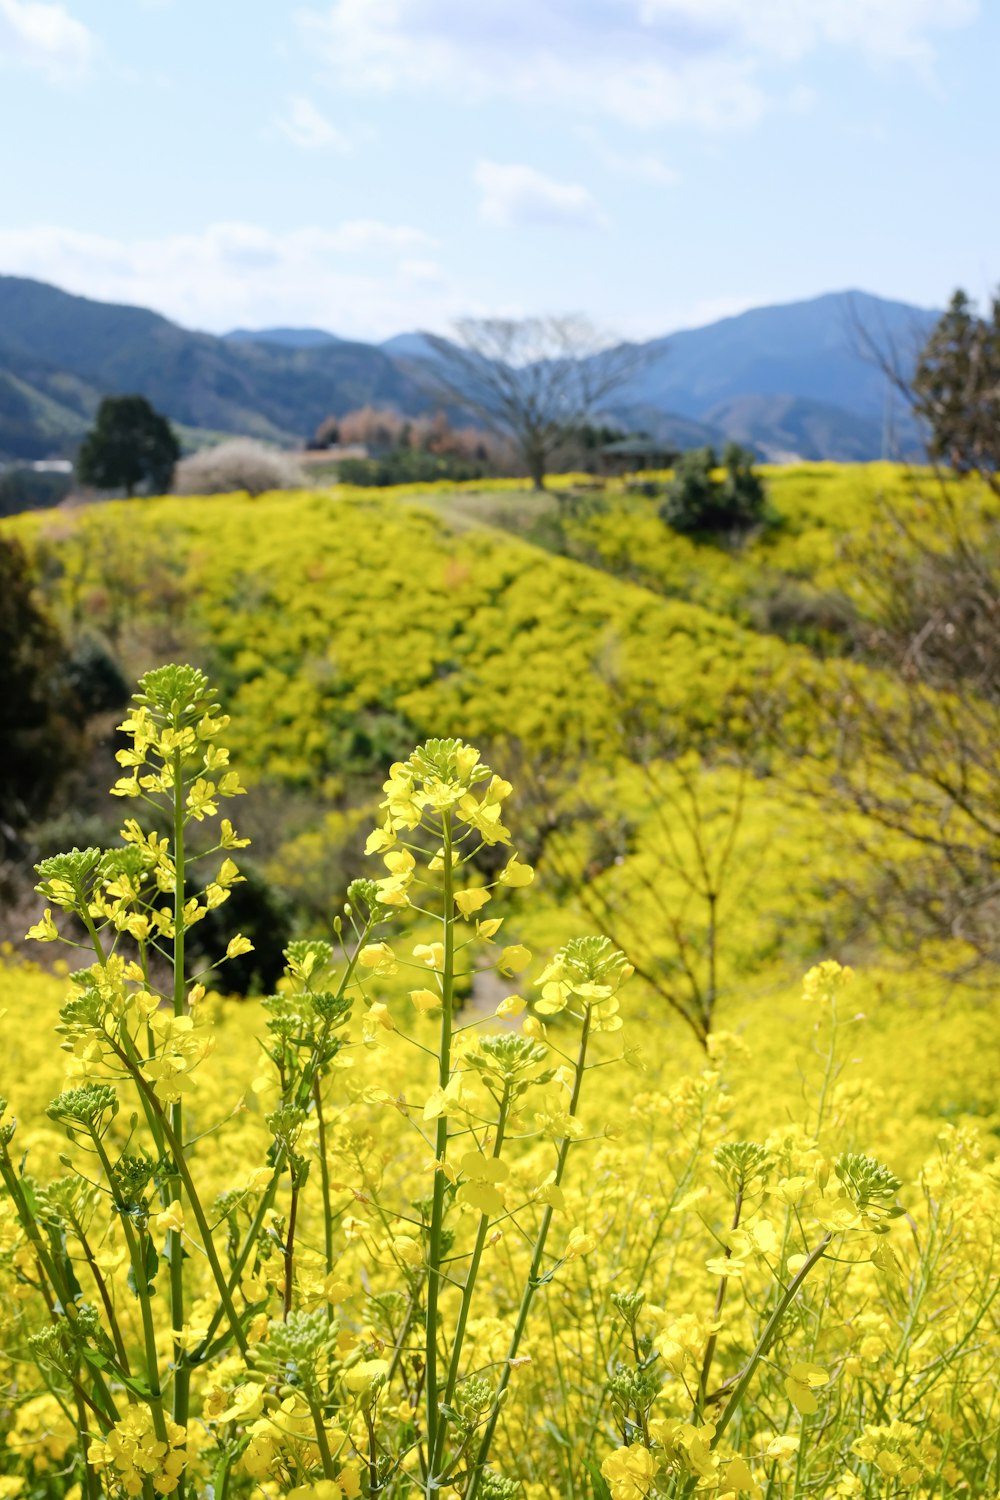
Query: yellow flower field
x=482, y=1203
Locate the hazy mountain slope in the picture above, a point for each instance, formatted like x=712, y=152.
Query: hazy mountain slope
x=667, y=427
x=788, y=380
x=784, y=426
x=806, y=349
x=32, y=425
x=289, y=338
x=266, y=390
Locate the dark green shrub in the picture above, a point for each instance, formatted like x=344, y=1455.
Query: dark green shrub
x=701, y=501
x=40, y=738
x=95, y=676
x=410, y=466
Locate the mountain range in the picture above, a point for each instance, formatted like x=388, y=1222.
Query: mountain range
x=790, y=380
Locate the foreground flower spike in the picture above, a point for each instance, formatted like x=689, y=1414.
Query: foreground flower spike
x=587, y=973
x=354, y=1252
x=146, y=1043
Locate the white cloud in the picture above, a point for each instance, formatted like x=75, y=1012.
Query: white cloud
x=358, y=279
x=594, y=55
x=789, y=29
x=307, y=127
x=644, y=62
x=642, y=165
x=516, y=196
x=417, y=273
x=44, y=36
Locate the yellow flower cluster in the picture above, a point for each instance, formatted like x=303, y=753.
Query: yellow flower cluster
x=134, y=1454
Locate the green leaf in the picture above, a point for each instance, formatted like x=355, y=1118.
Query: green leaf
x=100, y=1361
x=151, y=1264
x=61, y=1256
x=95, y=1358
x=599, y=1485
x=135, y=1385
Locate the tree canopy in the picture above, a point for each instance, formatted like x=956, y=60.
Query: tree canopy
x=956, y=388
x=129, y=445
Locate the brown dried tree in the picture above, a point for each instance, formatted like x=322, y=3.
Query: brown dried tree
x=532, y=380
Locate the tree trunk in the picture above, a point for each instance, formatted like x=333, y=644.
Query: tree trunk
x=536, y=469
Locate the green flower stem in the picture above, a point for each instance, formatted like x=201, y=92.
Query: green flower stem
x=267, y=1201
x=289, y=1253
x=532, y=1283
x=470, y=1285
x=828, y=1071
x=176, y=1148
x=90, y=1482
x=105, y=1295
x=174, y=1246
x=763, y=1344
x=324, y=1176
x=46, y=1266
x=398, y=1347
x=180, y=992
x=326, y=1457
x=174, y=1250
x=252, y=1235
x=48, y=1272
x=126, y=1040
x=93, y=933
x=945, y=1361
x=205, y=1231
x=221, y=1477
x=440, y=1154
x=138, y=1260
x=152, y=1119
x=720, y=1297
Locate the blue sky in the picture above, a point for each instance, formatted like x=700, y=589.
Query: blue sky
x=370, y=166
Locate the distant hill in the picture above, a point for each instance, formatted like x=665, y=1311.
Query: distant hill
x=783, y=428
x=59, y=354
x=792, y=378
x=807, y=349
x=789, y=380
x=287, y=338
x=410, y=346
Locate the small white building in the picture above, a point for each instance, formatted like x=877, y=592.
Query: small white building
x=52, y=466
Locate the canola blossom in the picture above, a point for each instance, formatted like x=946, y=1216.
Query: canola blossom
x=376, y=1235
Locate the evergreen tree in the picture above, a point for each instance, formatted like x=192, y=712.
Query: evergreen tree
x=956, y=388
x=130, y=444
x=698, y=499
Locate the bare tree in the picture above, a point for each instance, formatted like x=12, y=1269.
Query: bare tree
x=687, y=865
x=533, y=380
x=674, y=926
x=917, y=744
